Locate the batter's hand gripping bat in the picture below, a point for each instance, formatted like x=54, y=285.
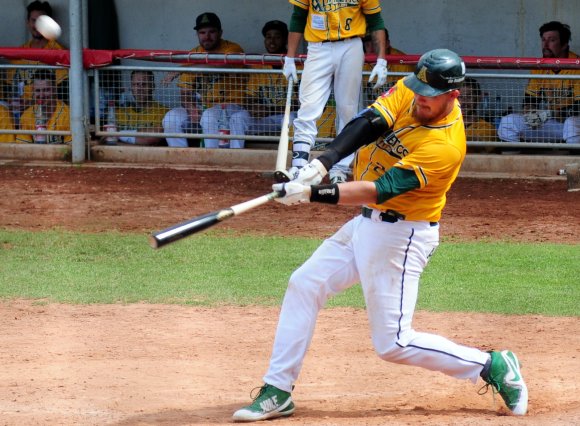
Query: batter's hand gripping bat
x=199, y=223
x=280, y=174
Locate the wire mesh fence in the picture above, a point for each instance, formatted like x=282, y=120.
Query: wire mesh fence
x=243, y=106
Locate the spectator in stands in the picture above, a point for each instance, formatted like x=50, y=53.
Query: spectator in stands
x=55, y=114
x=6, y=119
x=549, y=105
x=222, y=94
x=476, y=128
x=265, y=93
x=144, y=114
x=184, y=119
x=370, y=94
x=21, y=79
x=6, y=122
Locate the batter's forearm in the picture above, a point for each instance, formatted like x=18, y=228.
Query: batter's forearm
x=348, y=193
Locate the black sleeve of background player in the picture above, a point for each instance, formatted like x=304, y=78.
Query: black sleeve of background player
x=365, y=128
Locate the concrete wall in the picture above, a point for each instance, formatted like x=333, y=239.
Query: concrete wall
x=470, y=27
x=259, y=160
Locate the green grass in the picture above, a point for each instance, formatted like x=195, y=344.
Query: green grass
x=216, y=268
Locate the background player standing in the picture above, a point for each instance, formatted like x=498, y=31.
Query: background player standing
x=333, y=30
x=411, y=143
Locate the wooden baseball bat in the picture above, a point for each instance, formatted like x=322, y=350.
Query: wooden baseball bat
x=197, y=224
x=280, y=174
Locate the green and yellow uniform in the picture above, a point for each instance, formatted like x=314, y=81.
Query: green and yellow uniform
x=58, y=121
x=433, y=153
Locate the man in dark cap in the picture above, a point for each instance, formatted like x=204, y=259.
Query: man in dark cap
x=221, y=93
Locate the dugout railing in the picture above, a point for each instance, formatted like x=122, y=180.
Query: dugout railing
x=499, y=93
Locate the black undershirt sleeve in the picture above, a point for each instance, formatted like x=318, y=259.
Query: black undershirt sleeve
x=365, y=128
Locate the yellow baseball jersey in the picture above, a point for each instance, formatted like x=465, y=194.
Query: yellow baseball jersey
x=336, y=19
x=151, y=117
x=270, y=89
x=480, y=130
x=434, y=152
x=558, y=93
x=59, y=120
x=22, y=78
x=6, y=123
x=216, y=88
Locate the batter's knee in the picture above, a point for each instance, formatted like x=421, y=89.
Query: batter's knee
x=308, y=286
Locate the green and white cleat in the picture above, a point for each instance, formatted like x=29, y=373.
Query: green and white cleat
x=270, y=403
x=506, y=378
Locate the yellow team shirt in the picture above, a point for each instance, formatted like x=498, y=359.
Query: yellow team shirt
x=434, y=152
x=22, y=78
x=336, y=19
x=6, y=123
x=480, y=130
x=151, y=117
x=559, y=94
x=216, y=88
x=59, y=121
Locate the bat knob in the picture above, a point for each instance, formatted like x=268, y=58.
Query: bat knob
x=282, y=176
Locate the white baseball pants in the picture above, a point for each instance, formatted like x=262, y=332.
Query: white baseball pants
x=387, y=259
x=242, y=123
x=210, y=124
x=332, y=64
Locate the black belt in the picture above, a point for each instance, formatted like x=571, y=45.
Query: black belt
x=342, y=39
x=390, y=216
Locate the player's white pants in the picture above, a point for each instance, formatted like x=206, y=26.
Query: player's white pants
x=339, y=62
x=513, y=128
x=242, y=123
x=210, y=124
x=387, y=259
x=572, y=130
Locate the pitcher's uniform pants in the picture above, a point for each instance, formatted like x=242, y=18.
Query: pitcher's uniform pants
x=387, y=259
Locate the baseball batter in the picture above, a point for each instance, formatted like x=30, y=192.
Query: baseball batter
x=333, y=30
x=411, y=143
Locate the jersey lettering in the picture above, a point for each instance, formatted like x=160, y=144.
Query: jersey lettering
x=393, y=146
x=332, y=5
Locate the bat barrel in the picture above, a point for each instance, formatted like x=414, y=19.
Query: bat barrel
x=184, y=229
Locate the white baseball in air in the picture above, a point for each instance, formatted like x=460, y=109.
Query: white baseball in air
x=48, y=27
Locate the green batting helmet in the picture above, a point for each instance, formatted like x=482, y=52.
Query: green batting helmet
x=438, y=71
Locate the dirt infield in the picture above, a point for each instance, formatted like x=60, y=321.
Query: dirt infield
x=174, y=365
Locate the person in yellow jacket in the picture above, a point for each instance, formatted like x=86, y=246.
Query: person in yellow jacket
x=21, y=79
x=6, y=123
x=142, y=115
x=222, y=93
x=55, y=115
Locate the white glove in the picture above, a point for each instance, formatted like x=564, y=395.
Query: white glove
x=380, y=72
x=294, y=193
x=311, y=174
x=289, y=69
x=536, y=118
